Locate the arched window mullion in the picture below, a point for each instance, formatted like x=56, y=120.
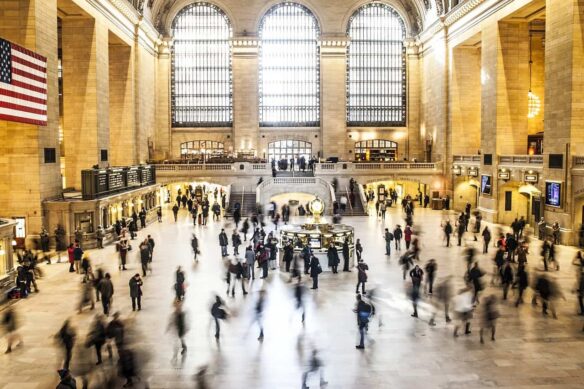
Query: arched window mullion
x=201, y=81
x=376, y=67
x=289, y=67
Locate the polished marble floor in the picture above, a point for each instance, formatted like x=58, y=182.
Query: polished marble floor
x=530, y=351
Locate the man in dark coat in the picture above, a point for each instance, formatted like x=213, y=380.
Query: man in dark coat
x=288, y=255
x=315, y=270
x=223, y=242
x=106, y=289
x=506, y=278
x=474, y=275
x=361, y=276
x=346, y=253
x=97, y=337
x=175, y=209
x=333, y=257
x=144, y=256
x=66, y=336
x=237, y=216
x=447, y=232
x=136, y=291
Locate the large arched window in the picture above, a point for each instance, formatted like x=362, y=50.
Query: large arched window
x=376, y=67
x=289, y=67
x=201, y=68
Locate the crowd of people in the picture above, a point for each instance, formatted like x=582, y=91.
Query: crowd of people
x=248, y=250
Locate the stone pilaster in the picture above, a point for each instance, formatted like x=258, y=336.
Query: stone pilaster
x=333, y=70
x=564, y=94
x=85, y=96
x=505, y=83
x=245, y=69
x=163, y=148
x=121, y=104
x=25, y=179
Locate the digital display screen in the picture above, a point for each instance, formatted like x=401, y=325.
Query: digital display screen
x=486, y=184
x=553, y=194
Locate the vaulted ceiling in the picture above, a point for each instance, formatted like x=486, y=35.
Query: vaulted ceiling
x=245, y=14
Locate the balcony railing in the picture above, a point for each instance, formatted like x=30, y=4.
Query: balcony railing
x=521, y=160
x=377, y=168
x=264, y=169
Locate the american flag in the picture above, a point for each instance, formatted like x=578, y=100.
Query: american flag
x=23, y=85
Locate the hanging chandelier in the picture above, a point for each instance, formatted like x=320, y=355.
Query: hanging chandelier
x=533, y=100
x=533, y=105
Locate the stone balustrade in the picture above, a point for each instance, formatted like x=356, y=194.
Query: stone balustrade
x=374, y=168
x=244, y=169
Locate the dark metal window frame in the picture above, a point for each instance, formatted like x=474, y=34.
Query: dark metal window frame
x=311, y=107
x=214, y=89
x=297, y=149
x=194, y=148
x=375, y=110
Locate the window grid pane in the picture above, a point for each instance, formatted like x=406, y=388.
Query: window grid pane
x=195, y=149
x=284, y=150
x=289, y=74
x=376, y=67
x=201, y=84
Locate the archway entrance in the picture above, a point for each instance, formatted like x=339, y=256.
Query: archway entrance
x=518, y=200
x=465, y=191
x=288, y=149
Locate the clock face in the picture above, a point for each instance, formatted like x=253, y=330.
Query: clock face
x=317, y=206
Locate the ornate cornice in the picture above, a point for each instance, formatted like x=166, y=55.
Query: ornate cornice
x=462, y=9
x=127, y=10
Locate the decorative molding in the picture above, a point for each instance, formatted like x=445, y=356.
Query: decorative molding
x=460, y=10
x=245, y=46
x=127, y=10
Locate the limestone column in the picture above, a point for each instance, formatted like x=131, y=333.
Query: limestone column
x=333, y=79
x=121, y=104
x=416, y=140
x=25, y=177
x=564, y=110
x=85, y=96
x=144, y=95
x=434, y=120
x=505, y=84
x=245, y=70
x=163, y=135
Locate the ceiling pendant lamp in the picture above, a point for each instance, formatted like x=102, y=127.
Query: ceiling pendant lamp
x=533, y=100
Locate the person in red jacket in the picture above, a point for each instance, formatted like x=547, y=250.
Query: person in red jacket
x=70, y=250
x=408, y=236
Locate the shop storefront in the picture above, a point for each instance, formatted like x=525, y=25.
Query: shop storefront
x=6, y=253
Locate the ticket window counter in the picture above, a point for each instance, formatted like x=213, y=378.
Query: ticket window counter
x=6, y=261
x=84, y=221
